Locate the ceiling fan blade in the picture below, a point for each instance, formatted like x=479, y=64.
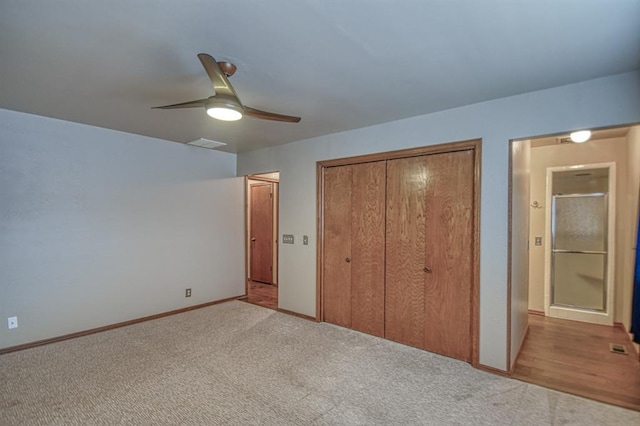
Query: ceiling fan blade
x=256, y=113
x=191, y=104
x=221, y=85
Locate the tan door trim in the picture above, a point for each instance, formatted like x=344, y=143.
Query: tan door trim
x=246, y=235
x=474, y=145
x=263, y=179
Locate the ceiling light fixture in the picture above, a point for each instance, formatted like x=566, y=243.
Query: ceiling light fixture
x=223, y=108
x=580, y=136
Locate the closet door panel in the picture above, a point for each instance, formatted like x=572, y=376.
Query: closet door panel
x=367, y=247
x=336, y=292
x=449, y=254
x=405, y=248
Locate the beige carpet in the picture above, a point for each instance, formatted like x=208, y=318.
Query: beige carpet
x=240, y=364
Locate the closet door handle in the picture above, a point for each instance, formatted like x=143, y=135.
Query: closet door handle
x=347, y=260
x=427, y=269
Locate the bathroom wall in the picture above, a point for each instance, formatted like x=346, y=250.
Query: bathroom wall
x=596, y=151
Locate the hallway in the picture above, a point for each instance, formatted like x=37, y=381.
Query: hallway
x=265, y=295
x=574, y=357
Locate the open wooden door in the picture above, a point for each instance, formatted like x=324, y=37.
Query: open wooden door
x=261, y=247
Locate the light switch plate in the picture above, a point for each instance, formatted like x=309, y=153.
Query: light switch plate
x=287, y=238
x=538, y=241
x=305, y=240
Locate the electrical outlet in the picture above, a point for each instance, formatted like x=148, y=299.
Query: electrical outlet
x=187, y=293
x=12, y=322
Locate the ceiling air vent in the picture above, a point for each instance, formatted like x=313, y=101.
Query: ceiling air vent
x=617, y=348
x=206, y=143
x=566, y=139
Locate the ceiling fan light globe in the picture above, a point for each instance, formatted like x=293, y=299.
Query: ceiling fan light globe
x=224, y=108
x=224, y=113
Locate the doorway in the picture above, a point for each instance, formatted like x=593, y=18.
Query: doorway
x=573, y=224
x=262, y=192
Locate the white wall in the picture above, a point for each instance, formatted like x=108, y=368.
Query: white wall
x=597, y=151
x=99, y=226
x=496, y=122
x=521, y=167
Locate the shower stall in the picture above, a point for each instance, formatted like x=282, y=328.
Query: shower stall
x=580, y=262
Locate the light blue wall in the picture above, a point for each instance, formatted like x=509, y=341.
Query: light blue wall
x=607, y=101
x=99, y=226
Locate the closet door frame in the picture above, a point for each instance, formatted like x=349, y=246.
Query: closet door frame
x=474, y=145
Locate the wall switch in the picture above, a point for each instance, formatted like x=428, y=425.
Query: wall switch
x=187, y=293
x=287, y=239
x=305, y=240
x=12, y=322
x=538, y=241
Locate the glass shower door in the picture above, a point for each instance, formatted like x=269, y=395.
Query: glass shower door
x=579, y=251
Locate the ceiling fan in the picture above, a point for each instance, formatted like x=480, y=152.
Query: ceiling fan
x=225, y=103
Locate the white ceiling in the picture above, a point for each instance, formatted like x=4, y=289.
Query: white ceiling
x=339, y=64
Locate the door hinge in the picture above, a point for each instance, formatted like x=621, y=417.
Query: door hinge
x=271, y=268
x=271, y=195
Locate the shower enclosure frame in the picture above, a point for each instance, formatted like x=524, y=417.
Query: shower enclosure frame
x=555, y=250
x=572, y=312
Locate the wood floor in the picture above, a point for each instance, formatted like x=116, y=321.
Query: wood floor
x=574, y=357
x=262, y=294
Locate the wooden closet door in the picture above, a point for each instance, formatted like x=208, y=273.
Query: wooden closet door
x=449, y=254
x=405, y=250
x=336, y=288
x=429, y=243
x=368, y=182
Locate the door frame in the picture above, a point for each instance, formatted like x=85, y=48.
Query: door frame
x=474, y=145
x=276, y=227
x=607, y=317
